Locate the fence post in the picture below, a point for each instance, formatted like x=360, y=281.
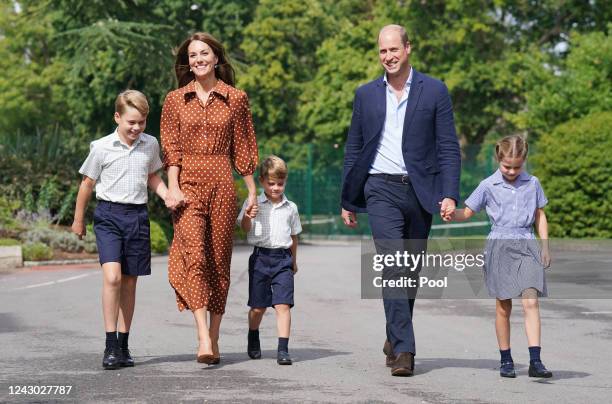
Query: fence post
x=309, y=188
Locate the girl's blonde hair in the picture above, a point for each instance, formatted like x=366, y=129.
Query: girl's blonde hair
x=513, y=146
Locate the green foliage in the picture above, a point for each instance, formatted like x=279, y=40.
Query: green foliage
x=574, y=168
x=8, y=208
x=159, y=242
x=8, y=242
x=580, y=85
x=36, y=252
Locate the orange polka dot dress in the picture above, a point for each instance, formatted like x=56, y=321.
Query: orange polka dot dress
x=206, y=141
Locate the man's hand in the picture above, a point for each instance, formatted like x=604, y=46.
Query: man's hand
x=295, y=268
x=447, y=209
x=78, y=228
x=349, y=218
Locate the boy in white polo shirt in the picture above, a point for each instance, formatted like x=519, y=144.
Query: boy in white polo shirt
x=121, y=166
x=272, y=227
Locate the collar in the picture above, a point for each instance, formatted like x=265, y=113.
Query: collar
x=497, y=178
x=262, y=198
x=117, y=140
x=408, y=82
x=189, y=90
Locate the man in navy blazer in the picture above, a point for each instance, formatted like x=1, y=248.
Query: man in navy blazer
x=401, y=166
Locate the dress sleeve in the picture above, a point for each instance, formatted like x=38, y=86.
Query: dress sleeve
x=244, y=145
x=478, y=199
x=541, y=199
x=170, y=133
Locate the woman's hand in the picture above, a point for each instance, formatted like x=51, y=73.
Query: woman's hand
x=174, y=198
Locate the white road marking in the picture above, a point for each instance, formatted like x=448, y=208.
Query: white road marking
x=596, y=312
x=38, y=285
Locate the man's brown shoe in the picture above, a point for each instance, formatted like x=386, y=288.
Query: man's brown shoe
x=388, y=350
x=403, y=365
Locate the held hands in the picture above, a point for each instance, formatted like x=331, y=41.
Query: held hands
x=252, y=207
x=174, y=198
x=349, y=218
x=447, y=209
x=78, y=228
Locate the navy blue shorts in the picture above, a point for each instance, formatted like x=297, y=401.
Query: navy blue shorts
x=270, y=277
x=123, y=235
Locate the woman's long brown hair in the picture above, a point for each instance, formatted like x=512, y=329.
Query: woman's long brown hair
x=223, y=70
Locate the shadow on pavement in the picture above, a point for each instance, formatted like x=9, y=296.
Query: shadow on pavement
x=298, y=355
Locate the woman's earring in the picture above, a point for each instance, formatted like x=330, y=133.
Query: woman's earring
x=216, y=66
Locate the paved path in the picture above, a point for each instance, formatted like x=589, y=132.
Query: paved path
x=51, y=334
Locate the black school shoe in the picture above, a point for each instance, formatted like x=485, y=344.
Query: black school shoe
x=537, y=369
x=507, y=369
x=254, y=349
x=283, y=358
x=125, y=359
x=111, y=359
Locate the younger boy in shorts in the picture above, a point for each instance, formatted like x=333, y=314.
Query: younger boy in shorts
x=272, y=227
x=121, y=166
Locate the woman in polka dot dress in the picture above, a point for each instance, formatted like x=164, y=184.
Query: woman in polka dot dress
x=206, y=129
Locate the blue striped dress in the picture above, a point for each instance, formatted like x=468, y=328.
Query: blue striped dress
x=512, y=253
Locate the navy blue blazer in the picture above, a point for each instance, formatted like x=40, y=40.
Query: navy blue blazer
x=429, y=142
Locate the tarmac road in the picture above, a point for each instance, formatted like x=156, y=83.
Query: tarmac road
x=51, y=334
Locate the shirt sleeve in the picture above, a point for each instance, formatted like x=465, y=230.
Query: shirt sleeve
x=296, y=225
x=244, y=145
x=155, y=164
x=92, y=166
x=241, y=214
x=541, y=199
x=478, y=199
x=170, y=132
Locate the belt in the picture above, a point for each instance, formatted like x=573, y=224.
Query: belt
x=401, y=178
x=266, y=251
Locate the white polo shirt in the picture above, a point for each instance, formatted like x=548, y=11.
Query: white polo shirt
x=274, y=224
x=122, y=172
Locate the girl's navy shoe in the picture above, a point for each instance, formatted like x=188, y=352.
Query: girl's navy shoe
x=507, y=369
x=537, y=369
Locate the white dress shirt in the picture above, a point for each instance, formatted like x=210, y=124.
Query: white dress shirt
x=122, y=172
x=274, y=224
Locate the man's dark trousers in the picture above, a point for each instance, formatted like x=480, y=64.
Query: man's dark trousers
x=395, y=215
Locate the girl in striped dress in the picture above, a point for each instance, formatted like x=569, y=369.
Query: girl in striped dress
x=514, y=261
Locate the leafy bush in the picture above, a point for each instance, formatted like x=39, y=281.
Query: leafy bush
x=8, y=242
x=7, y=210
x=55, y=238
x=36, y=252
x=89, y=241
x=573, y=164
x=159, y=242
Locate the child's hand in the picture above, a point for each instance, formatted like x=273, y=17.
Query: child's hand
x=79, y=229
x=447, y=209
x=546, y=257
x=295, y=268
x=252, y=211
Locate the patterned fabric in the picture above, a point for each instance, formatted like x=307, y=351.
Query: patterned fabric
x=122, y=172
x=512, y=253
x=206, y=141
x=274, y=224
